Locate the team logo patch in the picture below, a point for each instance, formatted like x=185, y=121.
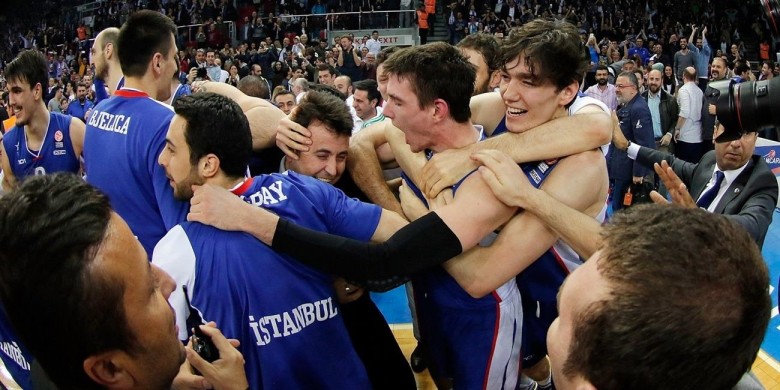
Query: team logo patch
x=58, y=136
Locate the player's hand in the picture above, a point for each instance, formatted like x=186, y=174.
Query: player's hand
x=637, y=179
x=504, y=176
x=444, y=170
x=412, y=206
x=227, y=372
x=676, y=188
x=712, y=109
x=666, y=139
x=292, y=138
x=676, y=135
x=218, y=207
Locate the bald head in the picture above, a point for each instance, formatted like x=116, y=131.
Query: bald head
x=104, y=52
x=654, y=81
x=689, y=74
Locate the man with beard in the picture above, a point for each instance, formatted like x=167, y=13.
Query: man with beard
x=719, y=71
x=108, y=72
x=683, y=59
x=603, y=90
x=482, y=50
x=41, y=142
x=636, y=124
x=81, y=106
x=663, y=110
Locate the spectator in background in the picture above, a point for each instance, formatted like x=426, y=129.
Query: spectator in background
x=669, y=80
x=702, y=54
x=54, y=102
x=81, y=106
x=285, y=100
x=688, y=132
x=602, y=90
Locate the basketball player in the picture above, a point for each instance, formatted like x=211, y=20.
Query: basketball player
x=477, y=364
x=126, y=133
x=104, y=57
x=285, y=315
x=41, y=142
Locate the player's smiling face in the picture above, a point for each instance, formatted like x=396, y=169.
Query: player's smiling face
x=175, y=158
x=22, y=99
x=530, y=101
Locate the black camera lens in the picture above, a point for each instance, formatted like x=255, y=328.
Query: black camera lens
x=746, y=107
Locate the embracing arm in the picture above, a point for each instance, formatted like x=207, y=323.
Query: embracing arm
x=367, y=151
x=590, y=128
x=528, y=235
x=9, y=180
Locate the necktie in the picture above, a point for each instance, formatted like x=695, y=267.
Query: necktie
x=708, y=196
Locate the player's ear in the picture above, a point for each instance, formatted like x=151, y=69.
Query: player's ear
x=209, y=165
x=568, y=93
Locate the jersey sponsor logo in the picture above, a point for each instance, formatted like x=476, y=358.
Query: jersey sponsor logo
x=13, y=351
x=21, y=161
x=60, y=152
x=536, y=177
x=638, y=124
x=116, y=123
x=271, y=194
x=58, y=136
x=59, y=144
x=288, y=323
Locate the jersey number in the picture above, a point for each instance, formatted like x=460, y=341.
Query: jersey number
x=40, y=171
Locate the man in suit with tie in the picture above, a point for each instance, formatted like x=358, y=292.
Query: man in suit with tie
x=730, y=180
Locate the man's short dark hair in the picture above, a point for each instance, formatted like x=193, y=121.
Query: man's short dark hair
x=436, y=70
x=325, y=108
x=281, y=92
x=371, y=88
x=689, y=308
x=29, y=66
x=252, y=85
x=329, y=89
x=216, y=125
x=327, y=67
x=485, y=44
x=602, y=67
x=385, y=53
x=63, y=308
x=144, y=34
x=552, y=50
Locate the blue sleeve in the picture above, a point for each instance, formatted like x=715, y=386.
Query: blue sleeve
x=643, y=134
x=172, y=211
x=349, y=217
x=100, y=90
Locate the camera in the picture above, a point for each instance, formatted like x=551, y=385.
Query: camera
x=752, y=105
x=746, y=107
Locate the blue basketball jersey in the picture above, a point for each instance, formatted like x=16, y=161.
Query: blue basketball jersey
x=15, y=356
x=55, y=154
x=124, y=137
x=284, y=313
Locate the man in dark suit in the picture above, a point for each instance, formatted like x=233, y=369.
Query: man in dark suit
x=744, y=189
x=637, y=124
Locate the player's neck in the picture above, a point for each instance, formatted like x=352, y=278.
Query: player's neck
x=222, y=180
x=145, y=84
x=39, y=121
x=112, y=80
x=454, y=135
